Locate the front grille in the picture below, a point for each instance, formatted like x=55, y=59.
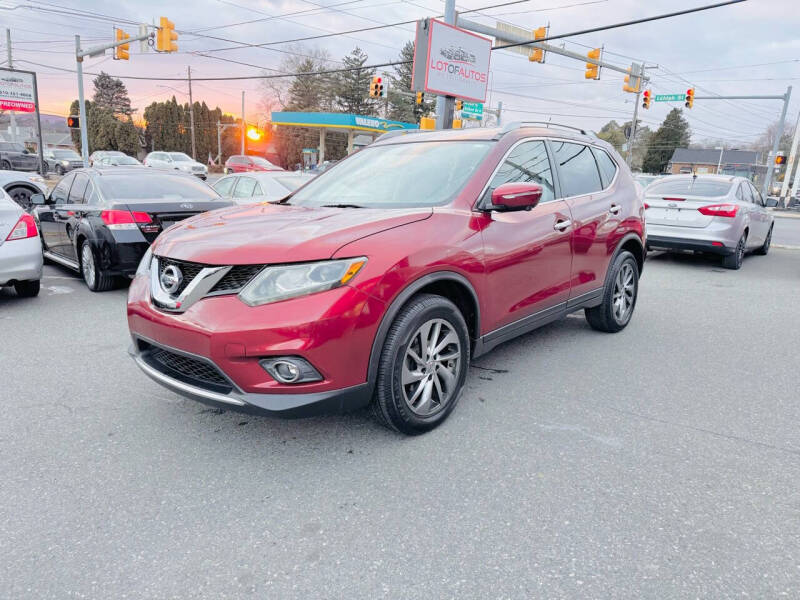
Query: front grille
x=185, y=368
x=236, y=279
x=189, y=270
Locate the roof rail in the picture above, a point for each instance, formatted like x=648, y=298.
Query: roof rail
x=518, y=124
x=396, y=132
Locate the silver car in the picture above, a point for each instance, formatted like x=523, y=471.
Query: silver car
x=176, y=161
x=260, y=186
x=708, y=213
x=20, y=248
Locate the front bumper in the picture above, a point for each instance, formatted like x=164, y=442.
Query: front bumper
x=332, y=330
x=21, y=260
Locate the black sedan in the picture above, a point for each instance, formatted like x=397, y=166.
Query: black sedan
x=100, y=222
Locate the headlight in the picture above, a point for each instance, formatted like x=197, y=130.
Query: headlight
x=144, y=264
x=290, y=281
x=36, y=178
x=65, y=163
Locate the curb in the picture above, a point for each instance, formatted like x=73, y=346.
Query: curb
x=785, y=247
x=784, y=215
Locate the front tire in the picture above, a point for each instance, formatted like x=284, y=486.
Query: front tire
x=5, y=165
x=96, y=280
x=734, y=261
x=423, y=366
x=59, y=170
x=21, y=196
x=27, y=289
x=764, y=249
x=619, y=296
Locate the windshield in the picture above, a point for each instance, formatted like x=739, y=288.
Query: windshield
x=124, y=160
x=397, y=176
x=66, y=154
x=179, y=157
x=155, y=186
x=262, y=162
x=292, y=183
x=690, y=187
x=12, y=147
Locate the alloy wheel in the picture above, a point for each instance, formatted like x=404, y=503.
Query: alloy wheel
x=430, y=367
x=624, y=293
x=87, y=263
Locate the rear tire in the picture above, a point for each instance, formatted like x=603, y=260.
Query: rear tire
x=734, y=261
x=96, y=279
x=27, y=289
x=763, y=250
x=21, y=196
x=423, y=366
x=5, y=165
x=619, y=296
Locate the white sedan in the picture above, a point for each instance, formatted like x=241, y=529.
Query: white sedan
x=177, y=161
x=21, y=185
x=20, y=248
x=260, y=186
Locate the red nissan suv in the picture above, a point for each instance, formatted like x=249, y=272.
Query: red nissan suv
x=377, y=282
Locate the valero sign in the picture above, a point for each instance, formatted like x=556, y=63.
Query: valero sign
x=457, y=62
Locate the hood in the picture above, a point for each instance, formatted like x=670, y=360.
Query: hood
x=272, y=233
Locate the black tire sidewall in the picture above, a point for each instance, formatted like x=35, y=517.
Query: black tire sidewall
x=391, y=393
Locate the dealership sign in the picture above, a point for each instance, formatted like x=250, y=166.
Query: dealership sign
x=17, y=91
x=454, y=62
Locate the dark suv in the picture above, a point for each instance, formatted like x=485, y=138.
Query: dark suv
x=378, y=281
x=14, y=156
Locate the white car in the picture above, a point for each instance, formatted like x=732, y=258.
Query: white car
x=20, y=248
x=260, y=186
x=176, y=161
x=21, y=185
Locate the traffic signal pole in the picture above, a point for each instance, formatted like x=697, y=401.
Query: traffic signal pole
x=787, y=176
x=445, y=104
x=629, y=155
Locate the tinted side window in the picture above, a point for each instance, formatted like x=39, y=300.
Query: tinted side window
x=59, y=193
x=608, y=168
x=740, y=193
x=747, y=193
x=577, y=169
x=78, y=188
x=244, y=187
x=528, y=162
x=757, y=197
x=224, y=186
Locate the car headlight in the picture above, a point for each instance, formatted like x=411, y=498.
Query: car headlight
x=65, y=163
x=144, y=264
x=36, y=178
x=290, y=281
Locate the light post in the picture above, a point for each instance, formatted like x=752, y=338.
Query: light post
x=719, y=162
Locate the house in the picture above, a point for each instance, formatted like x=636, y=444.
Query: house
x=743, y=163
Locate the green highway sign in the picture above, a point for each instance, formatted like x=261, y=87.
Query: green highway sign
x=472, y=110
x=670, y=97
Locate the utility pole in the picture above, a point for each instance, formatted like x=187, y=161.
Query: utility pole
x=219, y=143
x=244, y=127
x=13, y=118
x=790, y=163
x=773, y=154
x=82, y=104
x=446, y=104
x=632, y=136
x=191, y=112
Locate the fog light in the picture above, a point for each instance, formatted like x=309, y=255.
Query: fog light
x=290, y=369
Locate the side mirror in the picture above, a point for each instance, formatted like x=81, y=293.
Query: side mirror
x=37, y=199
x=516, y=196
x=772, y=202
x=25, y=151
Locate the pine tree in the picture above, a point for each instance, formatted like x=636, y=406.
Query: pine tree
x=306, y=92
x=351, y=88
x=403, y=107
x=110, y=93
x=673, y=133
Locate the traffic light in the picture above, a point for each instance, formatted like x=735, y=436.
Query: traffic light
x=780, y=159
x=459, y=105
x=593, y=70
x=633, y=81
x=420, y=97
x=73, y=122
x=122, y=52
x=376, y=87
x=689, y=98
x=647, y=98
x=537, y=54
x=166, y=36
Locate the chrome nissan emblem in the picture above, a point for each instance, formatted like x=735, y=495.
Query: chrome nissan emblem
x=171, y=279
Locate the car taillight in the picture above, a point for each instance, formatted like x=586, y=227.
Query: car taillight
x=124, y=219
x=646, y=206
x=675, y=199
x=24, y=229
x=719, y=210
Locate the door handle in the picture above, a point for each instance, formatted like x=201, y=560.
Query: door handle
x=562, y=225
x=615, y=208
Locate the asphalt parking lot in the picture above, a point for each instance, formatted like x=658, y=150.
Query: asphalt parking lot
x=661, y=462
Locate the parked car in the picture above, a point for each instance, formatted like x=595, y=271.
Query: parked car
x=176, y=161
x=21, y=186
x=60, y=161
x=266, y=186
x=100, y=222
x=240, y=163
x=645, y=180
x=718, y=214
x=16, y=156
x=20, y=248
x=98, y=154
x=117, y=161
x=379, y=281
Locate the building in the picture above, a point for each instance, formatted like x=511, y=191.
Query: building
x=742, y=163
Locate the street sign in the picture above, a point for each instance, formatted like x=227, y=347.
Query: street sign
x=670, y=97
x=472, y=110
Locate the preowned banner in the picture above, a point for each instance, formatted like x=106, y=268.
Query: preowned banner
x=16, y=91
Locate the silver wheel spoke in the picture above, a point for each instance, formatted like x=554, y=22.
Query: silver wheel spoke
x=449, y=378
x=450, y=338
x=419, y=389
x=414, y=356
x=427, y=394
x=438, y=385
x=410, y=376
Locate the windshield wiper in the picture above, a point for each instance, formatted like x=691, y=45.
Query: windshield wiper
x=341, y=206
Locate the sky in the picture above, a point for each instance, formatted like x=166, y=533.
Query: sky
x=752, y=48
